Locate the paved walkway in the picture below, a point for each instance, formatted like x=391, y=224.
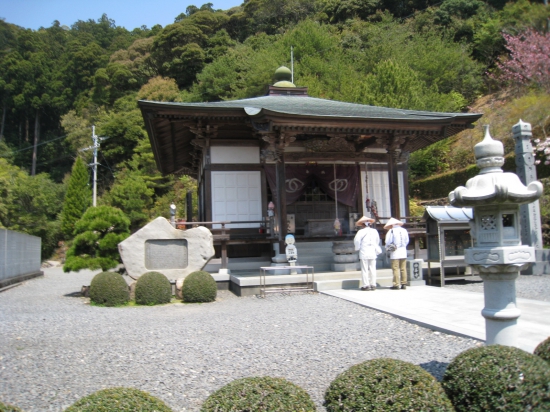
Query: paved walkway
x=451, y=311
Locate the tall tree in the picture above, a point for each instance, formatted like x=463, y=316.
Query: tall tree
x=98, y=234
x=77, y=199
x=529, y=60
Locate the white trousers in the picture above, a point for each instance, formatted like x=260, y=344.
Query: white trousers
x=368, y=272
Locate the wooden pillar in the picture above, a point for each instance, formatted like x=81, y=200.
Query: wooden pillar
x=281, y=201
x=394, y=184
x=189, y=206
x=224, y=255
x=416, y=247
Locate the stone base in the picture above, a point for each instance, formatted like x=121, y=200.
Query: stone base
x=224, y=271
x=5, y=283
x=541, y=266
x=346, y=267
x=281, y=271
x=279, y=258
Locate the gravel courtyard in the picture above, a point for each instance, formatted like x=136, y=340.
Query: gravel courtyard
x=56, y=348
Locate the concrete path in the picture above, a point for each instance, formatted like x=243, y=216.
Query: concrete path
x=451, y=311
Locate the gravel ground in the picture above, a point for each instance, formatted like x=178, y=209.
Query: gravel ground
x=55, y=348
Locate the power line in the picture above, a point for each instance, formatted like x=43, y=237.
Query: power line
x=31, y=147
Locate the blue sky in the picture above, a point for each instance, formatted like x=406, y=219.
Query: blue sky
x=32, y=14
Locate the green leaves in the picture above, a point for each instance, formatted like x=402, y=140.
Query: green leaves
x=98, y=234
x=131, y=194
x=77, y=199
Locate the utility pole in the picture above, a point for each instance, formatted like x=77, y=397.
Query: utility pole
x=94, y=164
x=95, y=146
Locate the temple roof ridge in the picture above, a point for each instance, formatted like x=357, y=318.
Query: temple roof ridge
x=314, y=106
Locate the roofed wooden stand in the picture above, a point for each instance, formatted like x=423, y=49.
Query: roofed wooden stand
x=313, y=158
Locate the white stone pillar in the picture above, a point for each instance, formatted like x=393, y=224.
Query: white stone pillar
x=500, y=312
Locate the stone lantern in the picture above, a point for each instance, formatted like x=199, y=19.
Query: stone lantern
x=497, y=254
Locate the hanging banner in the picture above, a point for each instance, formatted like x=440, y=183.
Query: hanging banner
x=299, y=177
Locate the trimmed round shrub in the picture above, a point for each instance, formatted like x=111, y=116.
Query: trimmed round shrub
x=120, y=400
x=153, y=288
x=8, y=408
x=109, y=289
x=199, y=286
x=543, y=350
x=496, y=377
x=259, y=394
x=386, y=385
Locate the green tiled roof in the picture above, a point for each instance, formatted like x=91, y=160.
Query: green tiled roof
x=311, y=106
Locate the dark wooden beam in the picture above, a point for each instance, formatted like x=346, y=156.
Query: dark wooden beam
x=334, y=156
x=174, y=149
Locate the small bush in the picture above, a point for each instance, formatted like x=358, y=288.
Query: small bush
x=259, y=394
x=543, y=350
x=8, y=408
x=199, y=286
x=386, y=385
x=109, y=289
x=120, y=400
x=153, y=288
x=496, y=377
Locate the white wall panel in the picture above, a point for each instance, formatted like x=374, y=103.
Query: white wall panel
x=234, y=155
x=237, y=196
x=402, y=197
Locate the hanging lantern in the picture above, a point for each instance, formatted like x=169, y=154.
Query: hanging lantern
x=337, y=227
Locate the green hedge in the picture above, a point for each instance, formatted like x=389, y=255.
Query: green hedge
x=386, y=385
x=497, y=378
x=153, y=288
x=109, y=289
x=198, y=287
x=8, y=408
x=120, y=400
x=259, y=394
x=543, y=350
x=439, y=186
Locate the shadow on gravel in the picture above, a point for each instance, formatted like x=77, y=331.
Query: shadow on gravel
x=74, y=295
x=435, y=368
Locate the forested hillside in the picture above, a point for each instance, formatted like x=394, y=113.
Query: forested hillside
x=56, y=82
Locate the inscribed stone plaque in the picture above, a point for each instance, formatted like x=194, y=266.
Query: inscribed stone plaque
x=166, y=254
x=158, y=246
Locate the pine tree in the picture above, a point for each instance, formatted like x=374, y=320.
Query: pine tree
x=77, y=199
x=97, y=236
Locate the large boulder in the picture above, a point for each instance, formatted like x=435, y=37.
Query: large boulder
x=160, y=247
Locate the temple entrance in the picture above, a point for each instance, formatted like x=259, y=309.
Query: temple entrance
x=313, y=210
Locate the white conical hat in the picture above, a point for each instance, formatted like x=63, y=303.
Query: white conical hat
x=363, y=220
x=392, y=222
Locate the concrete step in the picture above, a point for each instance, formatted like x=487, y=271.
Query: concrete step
x=350, y=280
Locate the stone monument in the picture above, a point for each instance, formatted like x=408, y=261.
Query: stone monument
x=346, y=258
x=159, y=247
x=531, y=233
x=498, y=254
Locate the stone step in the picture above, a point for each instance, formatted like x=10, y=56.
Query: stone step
x=383, y=279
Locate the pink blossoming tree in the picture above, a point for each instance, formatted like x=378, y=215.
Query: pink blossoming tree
x=528, y=64
x=529, y=61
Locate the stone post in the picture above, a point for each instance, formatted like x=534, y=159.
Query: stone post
x=531, y=233
x=498, y=253
x=415, y=274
